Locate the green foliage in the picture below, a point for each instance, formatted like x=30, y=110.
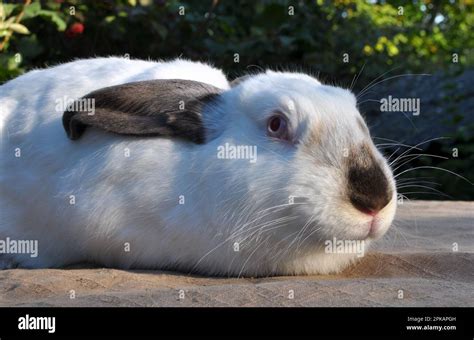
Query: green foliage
x=416, y=36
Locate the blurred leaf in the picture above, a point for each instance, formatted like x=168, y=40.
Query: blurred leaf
x=8, y=9
x=18, y=28
x=2, y=12
x=54, y=17
x=31, y=10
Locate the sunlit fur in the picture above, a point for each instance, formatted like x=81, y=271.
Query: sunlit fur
x=270, y=217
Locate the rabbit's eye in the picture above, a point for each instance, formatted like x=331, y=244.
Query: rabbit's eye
x=277, y=126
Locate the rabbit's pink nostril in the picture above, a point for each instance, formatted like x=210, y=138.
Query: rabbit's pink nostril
x=367, y=211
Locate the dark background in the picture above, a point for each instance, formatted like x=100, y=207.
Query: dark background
x=417, y=49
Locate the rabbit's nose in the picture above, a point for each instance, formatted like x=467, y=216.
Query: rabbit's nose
x=368, y=207
x=368, y=186
x=368, y=190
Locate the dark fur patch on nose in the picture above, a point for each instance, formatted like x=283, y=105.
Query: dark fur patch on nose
x=368, y=186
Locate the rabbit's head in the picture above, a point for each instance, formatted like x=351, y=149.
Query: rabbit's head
x=316, y=167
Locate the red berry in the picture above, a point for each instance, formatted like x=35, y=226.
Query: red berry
x=74, y=30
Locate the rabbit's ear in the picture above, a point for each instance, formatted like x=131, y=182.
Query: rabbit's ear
x=164, y=107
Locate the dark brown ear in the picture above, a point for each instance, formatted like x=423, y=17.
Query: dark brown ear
x=164, y=107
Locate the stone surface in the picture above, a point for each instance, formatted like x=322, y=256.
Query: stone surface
x=416, y=256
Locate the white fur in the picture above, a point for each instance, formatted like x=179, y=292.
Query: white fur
x=133, y=202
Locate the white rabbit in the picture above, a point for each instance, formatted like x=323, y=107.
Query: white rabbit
x=154, y=173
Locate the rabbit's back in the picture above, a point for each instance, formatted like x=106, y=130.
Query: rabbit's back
x=38, y=96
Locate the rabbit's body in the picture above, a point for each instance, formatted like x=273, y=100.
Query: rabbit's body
x=36, y=187
x=163, y=203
